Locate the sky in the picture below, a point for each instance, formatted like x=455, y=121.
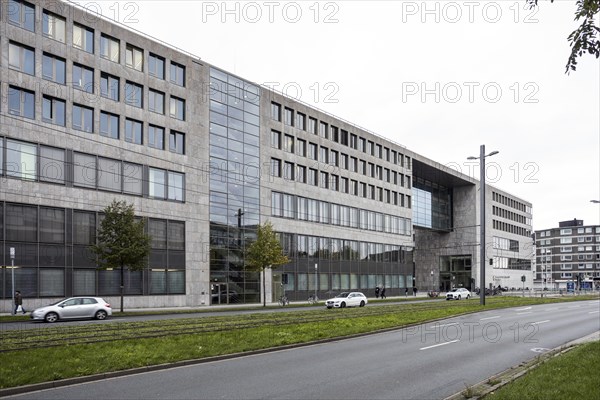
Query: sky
x=439, y=77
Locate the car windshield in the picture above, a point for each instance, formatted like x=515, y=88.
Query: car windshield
x=345, y=294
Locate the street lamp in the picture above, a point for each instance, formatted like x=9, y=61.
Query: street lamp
x=481, y=158
x=316, y=280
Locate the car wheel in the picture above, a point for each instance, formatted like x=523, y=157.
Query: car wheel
x=362, y=303
x=343, y=305
x=101, y=314
x=51, y=317
x=468, y=296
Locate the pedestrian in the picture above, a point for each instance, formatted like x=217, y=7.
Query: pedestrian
x=383, y=292
x=376, y=292
x=415, y=291
x=405, y=292
x=19, y=303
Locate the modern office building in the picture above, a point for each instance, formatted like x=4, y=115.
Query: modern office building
x=568, y=256
x=92, y=111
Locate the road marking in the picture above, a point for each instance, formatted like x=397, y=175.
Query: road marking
x=594, y=312
x=454, y=323
x=540, y=322
x=522, y=313
x=483, y=319
x=523, y=309
x=539, y=349
x=439, y=344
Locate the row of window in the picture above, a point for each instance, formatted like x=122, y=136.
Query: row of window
x=580, y=239
x=54, y=26
x=311, y=176
x=334, y=158
x=305, y=209
x=505, y=244
x=22, y=102
x=336, y=282
x=569, y=249
x=510, y=228
x=30, y=161
x=569, y=231
x=580, y=257
x=569, y=275
x=507, y=201
x=503, y=213
x=327, y=131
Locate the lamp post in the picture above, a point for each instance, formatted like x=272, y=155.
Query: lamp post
x=481, y=158
x=316, y=279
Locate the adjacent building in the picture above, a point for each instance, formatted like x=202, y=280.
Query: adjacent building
x=568, y=256
x=92, y=111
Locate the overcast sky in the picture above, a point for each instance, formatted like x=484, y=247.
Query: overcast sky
x=440, y=78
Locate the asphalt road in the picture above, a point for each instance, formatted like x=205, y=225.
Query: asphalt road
x=430, y=361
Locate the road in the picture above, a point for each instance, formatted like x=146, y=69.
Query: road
x=430, y=361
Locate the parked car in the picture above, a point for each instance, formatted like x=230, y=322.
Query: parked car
x=72, y=308
x=347, y=299
x=231, y=295
x=457, y=294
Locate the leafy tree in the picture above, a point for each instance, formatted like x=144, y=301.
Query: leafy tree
x=586, y=38
x=121, y=241
x=265, y=252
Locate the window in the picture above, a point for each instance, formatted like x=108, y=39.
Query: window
x=177, y=74
x=301, y=174
x=323, y=130
x=84, y=170
x=109, y=174
x=275, y=167
x=53, y=26
x=53, y=110
x=134, y=57
x=157, y=183
x=53, y=68
x=177, y=142
x=275, y=139
x=288, y=116
x=132, y=178
x=177, y=108
x=313, y=177
x=324, y=181
x=21, y=160
x=109, y=48
x=312, y=125
x=133, y=131
x=22, y=14
x=21, y=102
x=156, y=66
x=83, y=118
x=175, y=186
x=109, y=125
x=334, y=134
x=133, y=94
x=83, y=38
x=324, y=156
x=156, y=101
x=334, y=182
x=288, y=144
x=275, y=111
x=52, y=165
x=109, y=86
x=83, y=78
x=156, y=137
x=301, y=147
x=21, y=58
x=288, y=171
x=301, y=121
x=333, y=158
x=312, y=151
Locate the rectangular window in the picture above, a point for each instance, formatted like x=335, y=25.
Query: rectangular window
x=133, y=94
x=52, y=165
x=301, y=147
x=132, y=178
x=109, y=48
x=157, y=183
x=83, y=38
x=324, y=156
x=312, y=151
x=301, y=121
x=156, y=137
x=334, y=133
x=84, y=170
x=313, y=177
x=109, y=174
x=301, y=174
x=21, y=160
x=312, y=125
x=288, y=116
x=54, y=68
x=53, y=26
x=109, y=86
x=109, y=125
x=353, y=141
x=53, y=110
x=324, y=181
x=288, y=144
x=156, y=66
x=275, y=111
x=333, y=158
x=275, y=139
x=133, y=131
x=177, y=75
x=22, y=14
x=177, y=108
x=275, y=167
x=288, y=171
x=21, y=58
x=156, y=101
x=83, y=118
x=83, y=78
x=177, y=142
x=134, y=57
x=323, y=130
x=21, y=102
x=175, y=186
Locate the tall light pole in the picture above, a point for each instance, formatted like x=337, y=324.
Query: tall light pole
x=316, y=281
x=482, y=258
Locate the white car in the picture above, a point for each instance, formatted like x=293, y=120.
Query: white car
x=347, y=299
x=71, y=308
x=458, y=293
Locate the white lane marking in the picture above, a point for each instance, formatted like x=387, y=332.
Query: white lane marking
x=523, y=309
x=594, y=312
x=522, y=313
x=540, y=322
x=439, y=344
x=453, y=323
x=483, y=319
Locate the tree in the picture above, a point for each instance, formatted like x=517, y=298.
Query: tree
x=121, y=241
x=586, y=38
x=265, y=252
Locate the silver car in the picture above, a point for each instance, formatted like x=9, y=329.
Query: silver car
x=73, y=307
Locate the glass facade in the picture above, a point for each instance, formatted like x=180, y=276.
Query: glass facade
x=432, y=205
x=234, y=186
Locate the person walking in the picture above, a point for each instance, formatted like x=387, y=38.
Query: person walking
x=405, y=292
x=415, y=291
x=376, y=292
x=383, y=292
x=19, y=302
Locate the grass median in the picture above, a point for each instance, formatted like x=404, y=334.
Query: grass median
x=128, y=345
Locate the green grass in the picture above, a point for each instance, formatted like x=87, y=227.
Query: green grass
x=234, y=335
x=572, y=375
